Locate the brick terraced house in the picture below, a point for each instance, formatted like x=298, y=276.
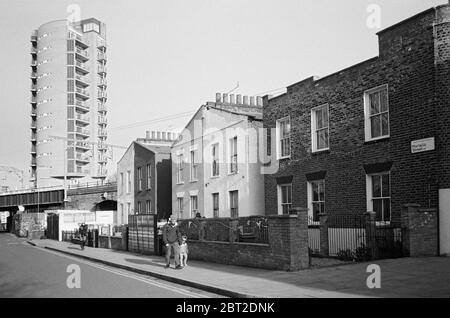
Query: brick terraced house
x=372, y=137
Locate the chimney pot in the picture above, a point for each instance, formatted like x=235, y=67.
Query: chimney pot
x=259, y=101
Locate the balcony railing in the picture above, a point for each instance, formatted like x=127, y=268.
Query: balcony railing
x=82, y=79
x=82, y=145
x=81, y=52
x=102, y=172
x=81, y=66
x=33, y=149
x=102, y=132
x=33, y=50
x=82, y=118
x=102, y=95
x=33, y=99
x=82, y=41
x=102, y=159
x=101, y=44
x=33, y=74
x=102, y=146
x=34, y=36
x=101, y=56
x=102, y=120
x=101, y=69
x=82, y=157
x=102, y=108
x=33, y=62
x=33, y=124
x=33, y=161
x=33, y=113
x=33, y=87
x=82, y=92
x=102, y=82
x=84, y=132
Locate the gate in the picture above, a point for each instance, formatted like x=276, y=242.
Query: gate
x=52, y=227
x=357, y=237
x=142, y=233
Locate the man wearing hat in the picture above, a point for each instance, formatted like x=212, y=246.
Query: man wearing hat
x=172, y=239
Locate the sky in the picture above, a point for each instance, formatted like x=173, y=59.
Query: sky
x=168, y=57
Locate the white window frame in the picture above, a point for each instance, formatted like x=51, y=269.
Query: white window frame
x=310, y=200
x=180, y=206
x=180, y=169
x=139, y=207
x=128, y=185
x=367, y=116
x=149, y=176
x=215, y=160
x=314, y=130
x=148, y=206
x=193, y=166
x=278, y=137
x=280, y=197
x=369, y=195
x=231, y=201
x=139, y=172
x=122, y=184
x=193, y=211
x=218, y=204
x=233, y=155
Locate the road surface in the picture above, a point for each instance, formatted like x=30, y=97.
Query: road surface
x=27, y=271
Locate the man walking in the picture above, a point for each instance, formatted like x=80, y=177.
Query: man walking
x=172, y=239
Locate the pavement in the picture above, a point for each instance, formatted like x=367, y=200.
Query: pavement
x=27, y=271
x=404, y=277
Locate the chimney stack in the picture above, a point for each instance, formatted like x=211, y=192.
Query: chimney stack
x=163, y=135
x=239, y=99
x=252, y=101
x=147, y=135
x=225, y=98
x=259, y=101
x=232, y=99
x=218, y=98
x=158, y=135
x=245, y=102
x=153, y=134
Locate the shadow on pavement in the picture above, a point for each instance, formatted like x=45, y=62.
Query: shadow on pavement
x=142, y=262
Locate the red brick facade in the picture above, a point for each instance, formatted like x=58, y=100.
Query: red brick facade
x=414, y=62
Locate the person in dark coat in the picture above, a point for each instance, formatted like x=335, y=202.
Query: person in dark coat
x=83, y=235
x=172, y=239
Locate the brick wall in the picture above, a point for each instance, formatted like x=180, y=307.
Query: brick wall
x=287, y=248
x=407, y=64
x=420, y=229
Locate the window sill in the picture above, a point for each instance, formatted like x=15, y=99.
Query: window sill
x=193, y=181
x=284, y=158
x=214, y=177
x=233, y=173
x=321, y=151
x=180, y=183
x=376, y=140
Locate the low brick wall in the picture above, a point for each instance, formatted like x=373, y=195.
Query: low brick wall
x=243, y=254
x=112, y=242
x=420, y=231
x=287, y=247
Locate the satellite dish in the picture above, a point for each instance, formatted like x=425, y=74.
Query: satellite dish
x=105, y=195
x=21, y=208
